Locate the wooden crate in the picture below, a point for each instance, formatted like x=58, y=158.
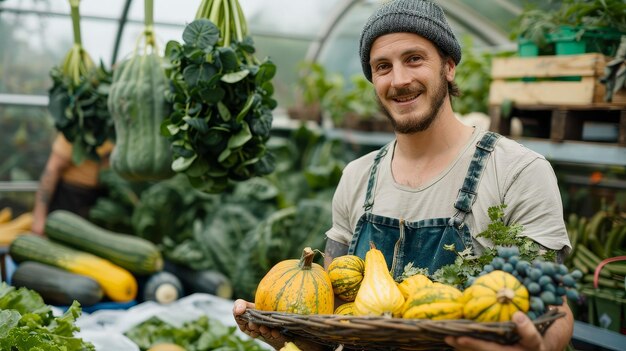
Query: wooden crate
x=560, y=122
x=534, y=80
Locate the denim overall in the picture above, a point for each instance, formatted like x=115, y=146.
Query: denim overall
x=421, y=242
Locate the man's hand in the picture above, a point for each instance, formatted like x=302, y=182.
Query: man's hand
x=556, y=338
x=271, y=336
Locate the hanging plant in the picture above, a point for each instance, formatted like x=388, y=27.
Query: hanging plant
x=78, y=98
x=221, y=99
x=138, y=107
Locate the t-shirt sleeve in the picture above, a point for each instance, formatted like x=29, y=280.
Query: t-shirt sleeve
x=534, y=201
x=341, y=230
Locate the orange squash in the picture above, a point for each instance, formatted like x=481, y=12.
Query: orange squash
x=296, y=286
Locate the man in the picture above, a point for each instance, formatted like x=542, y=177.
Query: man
x=433, y=184
x=64, y=185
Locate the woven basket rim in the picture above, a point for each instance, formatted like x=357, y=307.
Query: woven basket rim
x=382, y=333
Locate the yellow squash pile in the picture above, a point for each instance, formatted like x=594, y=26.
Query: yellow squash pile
x=492, y=297
x=368, y=289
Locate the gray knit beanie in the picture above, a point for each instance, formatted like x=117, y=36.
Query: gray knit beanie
x=421, y=17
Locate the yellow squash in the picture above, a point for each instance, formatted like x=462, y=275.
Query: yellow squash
x=434, y=302
x=347, y=309
x=494, y=297
x=6, y=214
x=379, y=294
x=13, y=228
x=346, y=275
x=414, y=283
x=296, y=286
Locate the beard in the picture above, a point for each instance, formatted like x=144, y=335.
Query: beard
x=421, y=122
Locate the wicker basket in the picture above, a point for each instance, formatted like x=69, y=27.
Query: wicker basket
x=378, y=333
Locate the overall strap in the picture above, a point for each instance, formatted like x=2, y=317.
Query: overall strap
x=371, y=182
x=467, y=194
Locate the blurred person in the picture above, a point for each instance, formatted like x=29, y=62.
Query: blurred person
x=65, y=185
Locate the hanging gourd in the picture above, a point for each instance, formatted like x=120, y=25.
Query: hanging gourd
x=379, y=294
x=138, y=106
x=296, y=286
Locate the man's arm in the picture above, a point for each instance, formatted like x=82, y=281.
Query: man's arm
x=333, y=249
x=47, y=184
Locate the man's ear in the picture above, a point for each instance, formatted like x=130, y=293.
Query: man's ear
x=450, y=69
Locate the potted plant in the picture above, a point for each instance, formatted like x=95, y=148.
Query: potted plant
x=575, y=27
x=356, y=107
x=313, y=84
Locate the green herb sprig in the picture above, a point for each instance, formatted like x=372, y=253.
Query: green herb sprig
x=469, y=265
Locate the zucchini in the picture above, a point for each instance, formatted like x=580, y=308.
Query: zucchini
x=55, y=285
x=162, y=287
x=133, y=253
x=203, y=281
x=117, y=283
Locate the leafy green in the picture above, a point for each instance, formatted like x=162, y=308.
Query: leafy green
x=222, y=108
x=78, y=98
x=468, y=265
x=27, y=323
x=198, y=335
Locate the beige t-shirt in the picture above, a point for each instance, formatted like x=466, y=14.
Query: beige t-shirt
x=514, y=175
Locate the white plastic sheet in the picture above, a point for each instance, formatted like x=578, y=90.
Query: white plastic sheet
x=106, y=328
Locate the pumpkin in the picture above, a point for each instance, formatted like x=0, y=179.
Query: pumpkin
x=137, y=104
x=346, y=274
x=494, y=297
x=379, y=294
x=414, y=283
x=434, y=302
x=296, y=286
x=347, y=309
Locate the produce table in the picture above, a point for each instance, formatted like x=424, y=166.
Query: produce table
x=105, y=328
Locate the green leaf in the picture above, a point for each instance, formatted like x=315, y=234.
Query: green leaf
x=266, y=72
x=197, y=123
x=228, y=58
x=224, y=112
x=235, y=76
x=239, y=139
x=201, y=33
x=198, y=73
x=180, y=164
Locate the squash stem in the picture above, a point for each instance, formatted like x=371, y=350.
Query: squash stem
x=505, y=295
x=307, y=258
x=149, y=24
x=76, y=21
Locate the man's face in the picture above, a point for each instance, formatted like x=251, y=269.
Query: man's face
x=410, y=79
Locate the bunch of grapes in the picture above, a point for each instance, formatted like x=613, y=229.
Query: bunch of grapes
x=546, y=282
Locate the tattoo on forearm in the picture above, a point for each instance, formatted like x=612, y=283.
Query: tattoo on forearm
x=45, y=192
x=335, y=249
